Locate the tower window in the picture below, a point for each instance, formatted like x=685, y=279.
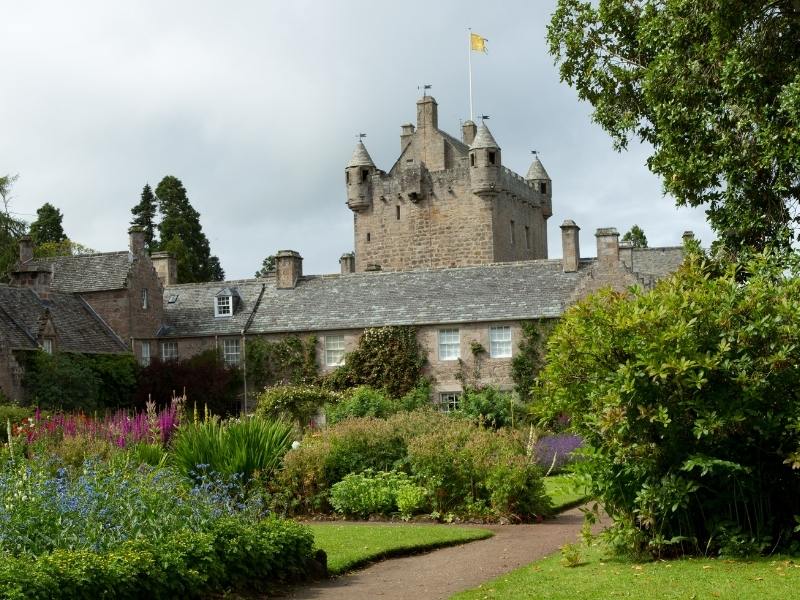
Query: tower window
x=369, y=236
x=512, y=232
x=398, y=212
x=364, y=175
x=145, y=302
x=471, y=160
x=527, y=238
x=543, y=187
x=347, y=177
x=492, y=157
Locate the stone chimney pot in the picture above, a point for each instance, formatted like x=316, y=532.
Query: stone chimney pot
x=570, y=246
x=288, y=269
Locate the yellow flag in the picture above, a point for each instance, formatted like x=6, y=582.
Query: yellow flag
x=477, y=43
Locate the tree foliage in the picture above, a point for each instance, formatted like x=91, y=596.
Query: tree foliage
x=47, y=227
x=144, y=216
x=635, y=235
x=688, y=398
x=267, y=267
x=11, y=229
x=529, y=359
x=712, y=85
x=181, y=233
x=65, y=247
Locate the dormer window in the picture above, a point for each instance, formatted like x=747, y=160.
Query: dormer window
x=47, y=345
x=223, y=306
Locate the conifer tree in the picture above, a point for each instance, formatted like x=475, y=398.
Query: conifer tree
x=635, y=235
x=144, y=216
x=217, y=272
x=47, y=227
x=11, y=229
x=181, y=233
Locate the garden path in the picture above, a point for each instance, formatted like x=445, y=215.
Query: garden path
x=442, y=573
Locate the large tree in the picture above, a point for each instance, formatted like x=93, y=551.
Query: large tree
x=11, y=229
x=712, y=85
x=635, y=235
x=144, y=216
x=181, y=233
x=267, y=267
x=47, y=227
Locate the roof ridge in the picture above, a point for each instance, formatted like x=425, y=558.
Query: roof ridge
x=73, y=256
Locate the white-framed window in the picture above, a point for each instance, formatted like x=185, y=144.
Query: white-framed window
x=47, y=345
x=500, y=341
x=144, y=353
x=223, y=307
x=232, y=351
x=144, y=299
x=449, y=401
x=449, y=344
x=169, y=351
x=334, y=350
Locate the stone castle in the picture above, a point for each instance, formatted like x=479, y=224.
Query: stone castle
x=445, y=202
x=448, y=241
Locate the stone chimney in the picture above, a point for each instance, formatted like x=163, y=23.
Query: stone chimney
x=427, y=113
x=288, y=269
x=166, y=266
x=607, y=245
x=468, y=131
x=136, y=241
x=25, y=249
x=626, y=253
x=570, y=248
x=347, y=262
x=406, y=131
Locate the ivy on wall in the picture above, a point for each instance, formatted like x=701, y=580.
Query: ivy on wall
x=530, y=357
x=291, y=360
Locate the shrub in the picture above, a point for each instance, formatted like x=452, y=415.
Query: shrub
x=417, y=398
x=252, y=447
x=370, y=493
x=387, y=358
x=554, y=452
x=13, y=414
x=493, y=408
x=362, y=401
x=688, y=399
x=530, y=357
x=298, y=403
x=291, y=360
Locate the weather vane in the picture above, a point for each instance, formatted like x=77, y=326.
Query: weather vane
x=484, y=117
x=425, y=88
x=534, y=152
x=361, y=136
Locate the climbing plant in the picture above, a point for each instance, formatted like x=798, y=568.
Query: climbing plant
x=529, y=359
x=291, y=360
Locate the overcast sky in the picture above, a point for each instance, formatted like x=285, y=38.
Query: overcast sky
x=255, y=107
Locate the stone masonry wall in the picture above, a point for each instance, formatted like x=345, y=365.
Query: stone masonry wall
x=508, y=209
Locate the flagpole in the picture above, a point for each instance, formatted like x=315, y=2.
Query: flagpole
x=469, y=60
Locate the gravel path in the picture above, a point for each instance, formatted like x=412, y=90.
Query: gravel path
x=441, y=573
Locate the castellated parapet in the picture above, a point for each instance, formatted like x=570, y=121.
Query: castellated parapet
x=446, y=202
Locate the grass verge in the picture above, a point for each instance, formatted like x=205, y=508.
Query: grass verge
x=601, y=578
x=353, y=545
x=564, y=491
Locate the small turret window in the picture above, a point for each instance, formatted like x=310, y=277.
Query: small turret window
x=511, y=228
x=492, y=157
x=347, y=177
x=543, y=187
x=398, y=212
x=368, y=236
x=471, y=160
x=364, y=175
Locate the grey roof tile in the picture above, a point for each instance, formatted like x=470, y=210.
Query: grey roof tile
x=192, y=312
x=87, y=272
x=659, y=262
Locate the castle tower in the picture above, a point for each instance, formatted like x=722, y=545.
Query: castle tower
x=445, y=202
x=358, y=178
x=542, y=184
x=484, y=163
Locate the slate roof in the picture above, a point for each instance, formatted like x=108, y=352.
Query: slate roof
x=87, y=272
x=659, y=262
x=484, y=138
x=78, y=329
x=361, y=157
x=498, y=292
x=536, y=170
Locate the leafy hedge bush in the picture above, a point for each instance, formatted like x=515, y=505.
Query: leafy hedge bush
x=364, y=401
x=298, y=403
x=688, y=398
x=464, y=468
x=492, y=408
x=381, y=493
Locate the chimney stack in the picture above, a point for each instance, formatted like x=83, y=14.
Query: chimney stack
x=166, y=266
x=25, y=249
x=427, y=113
x=288, y=269
x=607, y=245
x=347, y=262
x=468, y=131
x=406, y=131
x=569, y=246
x=136, y=241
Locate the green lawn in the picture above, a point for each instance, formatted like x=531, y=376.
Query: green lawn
x=352, y=545
x=602, y=578
x=564, y=491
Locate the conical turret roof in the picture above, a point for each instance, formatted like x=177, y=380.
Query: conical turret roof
x=536, y=170
x=361, y=157
x=484, y=138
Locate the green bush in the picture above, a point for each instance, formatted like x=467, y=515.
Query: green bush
x=14, y=414
x=252, y=447
x=371, y=493
x=362, y=401
x=493, y=408
x=688, y=399
x=298, y=403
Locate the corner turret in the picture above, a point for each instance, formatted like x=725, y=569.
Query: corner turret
x=542, y=184
x=484, y=162
x=358, y=178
